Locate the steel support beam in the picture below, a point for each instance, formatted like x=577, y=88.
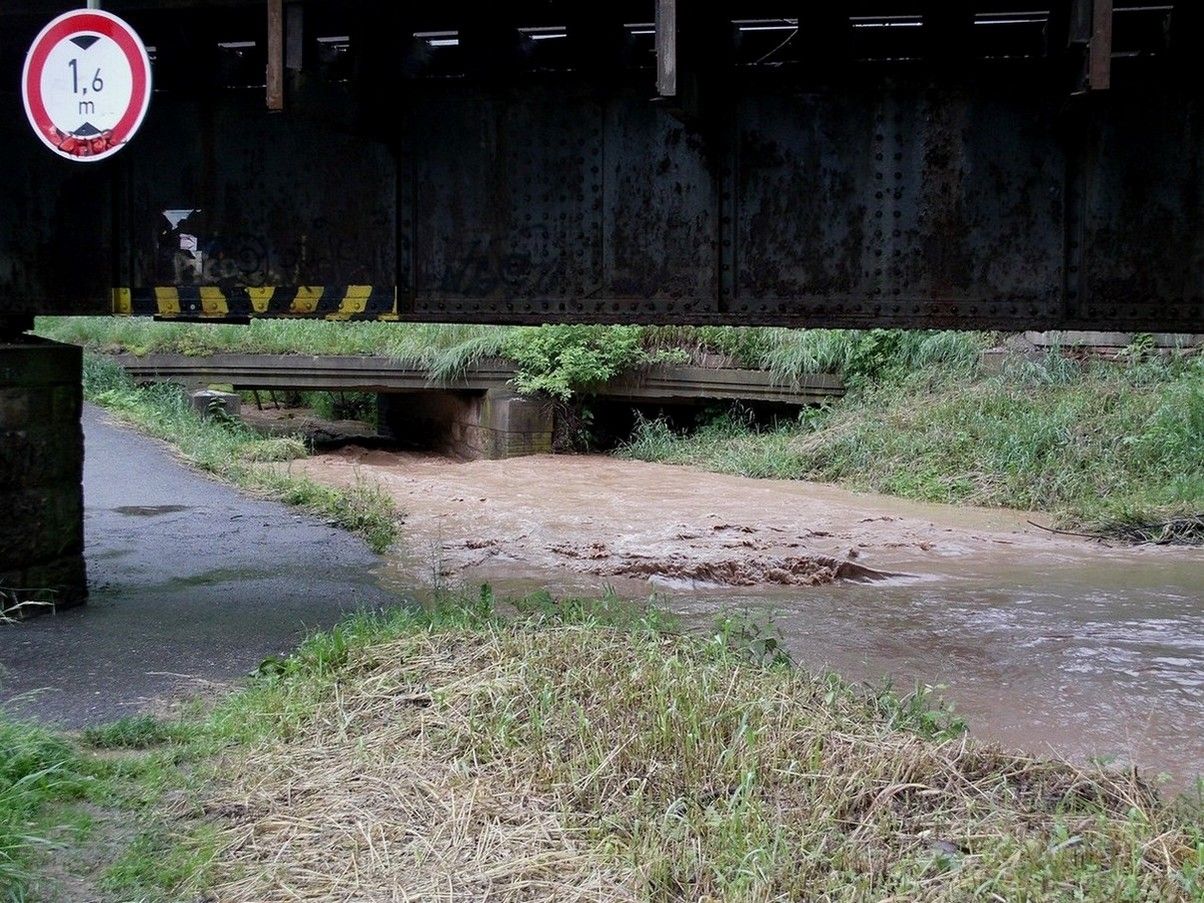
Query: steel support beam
x=275, y=66
x=666, y=48
x=1099, y=55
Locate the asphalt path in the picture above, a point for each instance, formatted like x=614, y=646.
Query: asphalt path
x=191, y=583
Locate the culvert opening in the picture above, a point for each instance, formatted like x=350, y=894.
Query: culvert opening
x=605, y=425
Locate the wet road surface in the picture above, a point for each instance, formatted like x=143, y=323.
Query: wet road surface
x=191, y=582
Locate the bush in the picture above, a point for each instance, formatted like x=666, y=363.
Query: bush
x=561, y=361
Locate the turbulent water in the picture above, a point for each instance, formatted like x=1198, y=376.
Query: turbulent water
x=1043, y=642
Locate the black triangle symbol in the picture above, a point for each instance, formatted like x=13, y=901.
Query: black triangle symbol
x=84, y=41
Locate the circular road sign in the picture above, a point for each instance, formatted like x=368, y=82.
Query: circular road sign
x=86, y=84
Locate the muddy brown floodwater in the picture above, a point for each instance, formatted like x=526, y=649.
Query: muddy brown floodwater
x=1047, y=643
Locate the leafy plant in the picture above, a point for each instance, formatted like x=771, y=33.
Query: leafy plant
x=561, y=361
x=759, y=640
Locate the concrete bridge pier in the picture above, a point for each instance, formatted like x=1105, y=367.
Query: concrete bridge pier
x=41, y=473
x=469, y=425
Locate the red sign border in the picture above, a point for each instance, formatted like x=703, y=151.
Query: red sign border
x=99, y=22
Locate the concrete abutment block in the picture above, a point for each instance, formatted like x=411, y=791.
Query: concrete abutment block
x=516, y=425
x=211, y=403
x=468, y=425
x=41, y=475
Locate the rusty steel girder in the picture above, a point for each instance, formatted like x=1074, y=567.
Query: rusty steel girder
x=922, y=164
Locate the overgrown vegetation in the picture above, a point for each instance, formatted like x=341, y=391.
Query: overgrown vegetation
x=1113, y=448
x=861, y=357
x=1108, y=448
x=585, y=749
x=234, y=452
x=560, y=361
x=443, y=349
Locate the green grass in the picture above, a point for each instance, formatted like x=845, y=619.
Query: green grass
x=561, y=361
x=859, y=356
x=230, y=450
x=1104, y=447
x=36, y=768
x=445, y=349
x=73, y=801
x=131, y=732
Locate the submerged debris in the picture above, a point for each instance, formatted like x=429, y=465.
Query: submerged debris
x=1176, y=531
x=794, y=570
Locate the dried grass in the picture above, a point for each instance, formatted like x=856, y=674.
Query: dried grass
x=561, y=762
x=364, y=806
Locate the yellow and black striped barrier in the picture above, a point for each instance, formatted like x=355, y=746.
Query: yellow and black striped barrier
x=213, y=302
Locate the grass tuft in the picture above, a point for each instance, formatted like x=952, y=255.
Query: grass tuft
x=282, y=448
x=36, y=768
x=131, y=732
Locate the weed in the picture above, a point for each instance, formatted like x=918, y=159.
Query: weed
x=36, y=768
x=922, y=711
x=131, y=732
x=560, y=361
x=163, y=862
x=758, y=639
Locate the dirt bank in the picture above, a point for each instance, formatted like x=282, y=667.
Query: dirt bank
x=675, y=526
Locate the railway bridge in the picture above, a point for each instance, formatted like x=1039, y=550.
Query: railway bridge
x=1010, y=164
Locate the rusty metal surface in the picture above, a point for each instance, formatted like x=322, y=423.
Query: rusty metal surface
x=898, y=191
x=283, y=203
x=949, y=172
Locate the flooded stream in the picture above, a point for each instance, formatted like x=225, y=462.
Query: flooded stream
x=1043, y=642
x=1094, y=658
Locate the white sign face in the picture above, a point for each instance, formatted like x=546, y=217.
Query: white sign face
x=86, y=84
